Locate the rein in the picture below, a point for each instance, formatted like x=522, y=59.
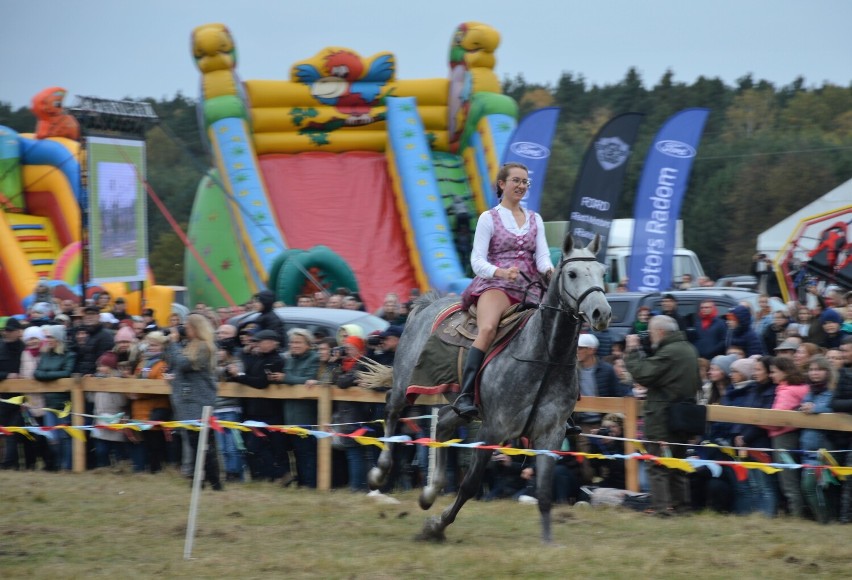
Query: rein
x=573, y=312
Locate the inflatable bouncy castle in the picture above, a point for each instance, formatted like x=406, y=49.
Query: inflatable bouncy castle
x=40, y=222
x=342, y=173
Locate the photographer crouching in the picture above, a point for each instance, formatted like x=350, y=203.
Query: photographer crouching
x=670, y=374
x=191, y=357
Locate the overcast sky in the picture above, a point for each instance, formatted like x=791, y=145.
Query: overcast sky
x=124, y=48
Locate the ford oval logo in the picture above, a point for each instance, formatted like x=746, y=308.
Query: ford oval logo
x=674, y=148
x=529, y=150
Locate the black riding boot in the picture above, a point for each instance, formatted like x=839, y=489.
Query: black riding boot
x=464, y=404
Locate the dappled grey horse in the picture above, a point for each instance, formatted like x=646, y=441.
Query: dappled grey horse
x=529, y=389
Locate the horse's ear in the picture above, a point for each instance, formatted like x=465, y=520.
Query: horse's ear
x=568, y=244
x=595, y=245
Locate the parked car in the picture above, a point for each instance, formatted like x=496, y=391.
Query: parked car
x=324, y=320
x=625, y=304
x=744, y=281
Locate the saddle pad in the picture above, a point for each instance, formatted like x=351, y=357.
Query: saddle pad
x=440, y=363
x=458, y=327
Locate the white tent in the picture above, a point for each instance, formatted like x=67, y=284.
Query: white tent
x=773, y=239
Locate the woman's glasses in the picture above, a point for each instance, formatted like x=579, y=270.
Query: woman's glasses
x=520, y=181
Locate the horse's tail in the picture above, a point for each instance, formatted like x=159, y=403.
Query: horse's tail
x=376, y=375
x=422, y=302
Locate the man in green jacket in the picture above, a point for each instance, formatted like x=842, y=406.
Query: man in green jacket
x=669, y=374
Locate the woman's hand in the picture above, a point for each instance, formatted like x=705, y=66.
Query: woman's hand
x=807, y=408
x=510, y=274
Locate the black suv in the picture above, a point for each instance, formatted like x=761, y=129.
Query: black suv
x=625, y=304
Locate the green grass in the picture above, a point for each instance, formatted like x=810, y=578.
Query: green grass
x=103, y=524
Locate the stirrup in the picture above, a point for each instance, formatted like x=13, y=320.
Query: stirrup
x=467, y=412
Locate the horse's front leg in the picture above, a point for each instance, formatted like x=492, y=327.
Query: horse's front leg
x=378, y=475
x=448, y=421
x=544, y=492
x=434, y=527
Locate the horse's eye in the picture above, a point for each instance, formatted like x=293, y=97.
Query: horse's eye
x=572, y=275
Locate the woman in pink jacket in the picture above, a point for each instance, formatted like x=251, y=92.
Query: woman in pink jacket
x=792, y=388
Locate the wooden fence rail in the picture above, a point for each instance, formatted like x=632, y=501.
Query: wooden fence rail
x=326, y=396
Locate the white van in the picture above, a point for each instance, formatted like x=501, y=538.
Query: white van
x=619, y=249
x=618, y=265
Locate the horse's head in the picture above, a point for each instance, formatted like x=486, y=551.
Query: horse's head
x=579, y=282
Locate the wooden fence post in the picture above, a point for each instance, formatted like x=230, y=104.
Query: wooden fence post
x=631, y=419
x=78, y=407
x=324, y=402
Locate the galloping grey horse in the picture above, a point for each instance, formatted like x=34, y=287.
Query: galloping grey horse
x=529, y=389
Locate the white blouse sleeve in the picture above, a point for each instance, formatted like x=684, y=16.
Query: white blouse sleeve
x=481, y=241
x=542, y=251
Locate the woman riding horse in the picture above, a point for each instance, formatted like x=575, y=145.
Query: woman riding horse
x=509, y=244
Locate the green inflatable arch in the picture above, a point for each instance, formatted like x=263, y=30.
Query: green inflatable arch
x=287, y=273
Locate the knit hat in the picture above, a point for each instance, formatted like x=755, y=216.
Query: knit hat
x=744, y=366
x=125, y=334
x=31, y=332
x=13, y=324
x=108, y=359
x=355, y=341
x=830, y=315
x=41, y=309
x=56, y=331
x=724, y=362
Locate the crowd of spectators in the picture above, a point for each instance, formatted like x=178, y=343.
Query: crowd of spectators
x=799, y=359
x=59, y=339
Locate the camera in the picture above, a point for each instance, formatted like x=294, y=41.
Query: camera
x=604, y=432
x=181, y=331
x=338, y=351
x=645, y=342
x=374, y=340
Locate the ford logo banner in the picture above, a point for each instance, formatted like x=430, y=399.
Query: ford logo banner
x=530, y=150
x=675, y=149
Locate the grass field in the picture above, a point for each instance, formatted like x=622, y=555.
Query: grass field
x=103, y=524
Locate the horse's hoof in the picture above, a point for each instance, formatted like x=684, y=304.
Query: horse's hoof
x=427, y=497
x=432, y=531
x=375, y=478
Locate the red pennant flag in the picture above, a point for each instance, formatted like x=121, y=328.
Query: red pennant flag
x=214, y=424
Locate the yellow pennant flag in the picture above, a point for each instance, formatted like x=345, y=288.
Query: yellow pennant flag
x=73, y=432
x=761, y=466
x=675, y=463
x=19, y=400
x=443, y=443
x=63, y=413
x=234, y=425
x=370, y=441
x=300, y=431
x=21, y=431
x=513, y=451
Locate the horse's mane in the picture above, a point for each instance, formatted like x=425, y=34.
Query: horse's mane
x=422, y=302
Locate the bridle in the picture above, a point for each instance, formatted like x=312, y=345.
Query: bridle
x=573, y=311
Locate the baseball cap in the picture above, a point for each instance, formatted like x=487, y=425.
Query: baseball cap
x=13, y=324
x=588, y=341
x=392, y=330
x=787, y=345
x=266, y=335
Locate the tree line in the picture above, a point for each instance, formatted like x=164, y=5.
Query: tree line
x=766, y=152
